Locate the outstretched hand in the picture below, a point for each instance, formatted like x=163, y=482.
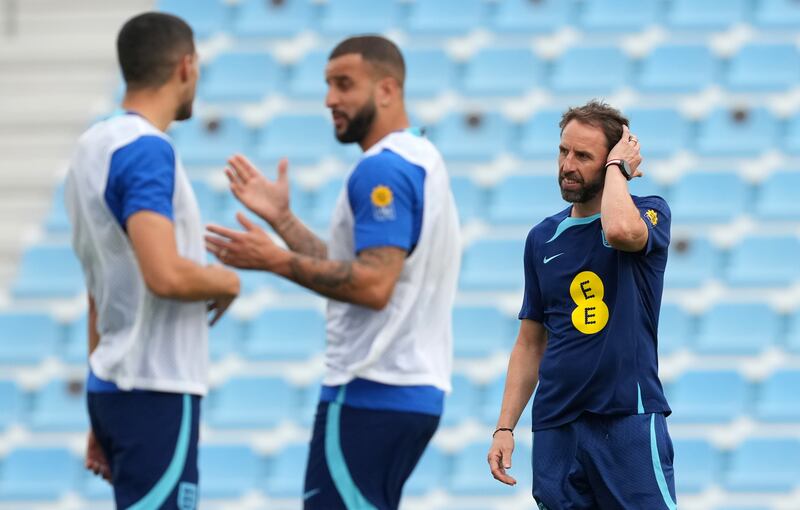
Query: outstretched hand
x=268, y=199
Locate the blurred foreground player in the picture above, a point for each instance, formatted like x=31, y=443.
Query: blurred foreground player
x=390, y=272
x=138, y=235
x=594, y=276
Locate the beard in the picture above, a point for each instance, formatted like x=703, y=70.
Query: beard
x=184, y=111
x=585, y=193
x=359, y=125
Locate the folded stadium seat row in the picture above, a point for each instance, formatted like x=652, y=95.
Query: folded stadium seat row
x=285, y=18
x=511, y=71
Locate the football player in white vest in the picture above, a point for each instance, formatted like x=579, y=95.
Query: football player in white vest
x=389, y=270
x=138, y=235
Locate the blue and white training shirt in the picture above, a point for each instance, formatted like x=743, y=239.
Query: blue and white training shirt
x=398, y=358
x=124, y=165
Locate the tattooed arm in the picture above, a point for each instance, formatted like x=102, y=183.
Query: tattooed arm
x=300, y=238
x=368, y=280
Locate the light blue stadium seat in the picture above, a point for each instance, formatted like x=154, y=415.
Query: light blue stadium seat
x=497, y=71
x=791, y=142
x=244, y=76
x=764, y=68
x=525, y=200
x=286, y=334
x=285, y=473
x=48, y=271
x=225, y=337
x=793, y=335
x=776, y=198
x=43, y=474
x=541, y=136
x=462, y=403
x=60, y=406
x=469, y=197
x=722, y=135
x=470, y=475
x=11, y=402
x=302, y=139
x=492, y=264
x=446, y=17
x=480, y=331
x=764, y=465
x=429, y=72
x=706, y=15
x=57, y=221
x=779, y=397
x=208, y=199
x=28, y=338
x=711, y=197
x=697, y=465
x=744, y=329
x=348, y=17
x=204, y=146
x=627, y=15
x=427, y=476
x=252, y=402
x=264, y=18
x=777, y=14
x=646, y=187
x=765, y=262
x=674, y=329
x=227, y=471
x=206, y=17
x=323, y=202
x=76, y=349
x=307, y=77
x=94, y=488
x=698, y=69
x=708, y=396
x=494, y=400
x=692, y=265
x=309, y=403
x=662, y=132
x=590, y=70
x=459, y=140
x=524, y=16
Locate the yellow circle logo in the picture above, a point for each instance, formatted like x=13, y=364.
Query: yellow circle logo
x=591, y=315
x=382, y=196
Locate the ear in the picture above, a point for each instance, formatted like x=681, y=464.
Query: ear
x=388, y=91
x=185, y=67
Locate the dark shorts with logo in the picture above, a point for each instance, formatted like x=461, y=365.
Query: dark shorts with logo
x=150, y=442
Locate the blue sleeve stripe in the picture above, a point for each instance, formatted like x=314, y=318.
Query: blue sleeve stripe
x=141, y=177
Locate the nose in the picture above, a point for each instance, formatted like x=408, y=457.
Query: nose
x=331, y=98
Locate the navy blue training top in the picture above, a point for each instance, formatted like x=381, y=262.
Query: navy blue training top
x=600, y=308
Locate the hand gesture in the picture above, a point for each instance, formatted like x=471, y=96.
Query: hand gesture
x=499, y=456
x=95, y=458
x=268, y=199
x=251, y=249
x=627, y=148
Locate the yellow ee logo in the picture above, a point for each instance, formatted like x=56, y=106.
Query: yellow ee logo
x=591, y=315
x=382, y=196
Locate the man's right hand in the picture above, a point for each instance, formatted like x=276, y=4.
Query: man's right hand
x=500, y=456
x=221, y=304
x=268, y=199
x=95, y=458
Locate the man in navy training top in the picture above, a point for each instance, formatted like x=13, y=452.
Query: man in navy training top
x=389, y=269
x=594, y=277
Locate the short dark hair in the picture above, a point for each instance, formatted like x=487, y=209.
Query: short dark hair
x=150, y=45
x=598, y=114
x=379, y=51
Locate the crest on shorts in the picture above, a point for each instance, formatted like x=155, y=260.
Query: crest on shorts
x=652, y=216
x=382, y=200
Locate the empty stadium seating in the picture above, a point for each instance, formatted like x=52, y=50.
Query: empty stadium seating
x=720, y=131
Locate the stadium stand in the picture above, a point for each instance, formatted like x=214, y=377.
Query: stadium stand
x=711, y=89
